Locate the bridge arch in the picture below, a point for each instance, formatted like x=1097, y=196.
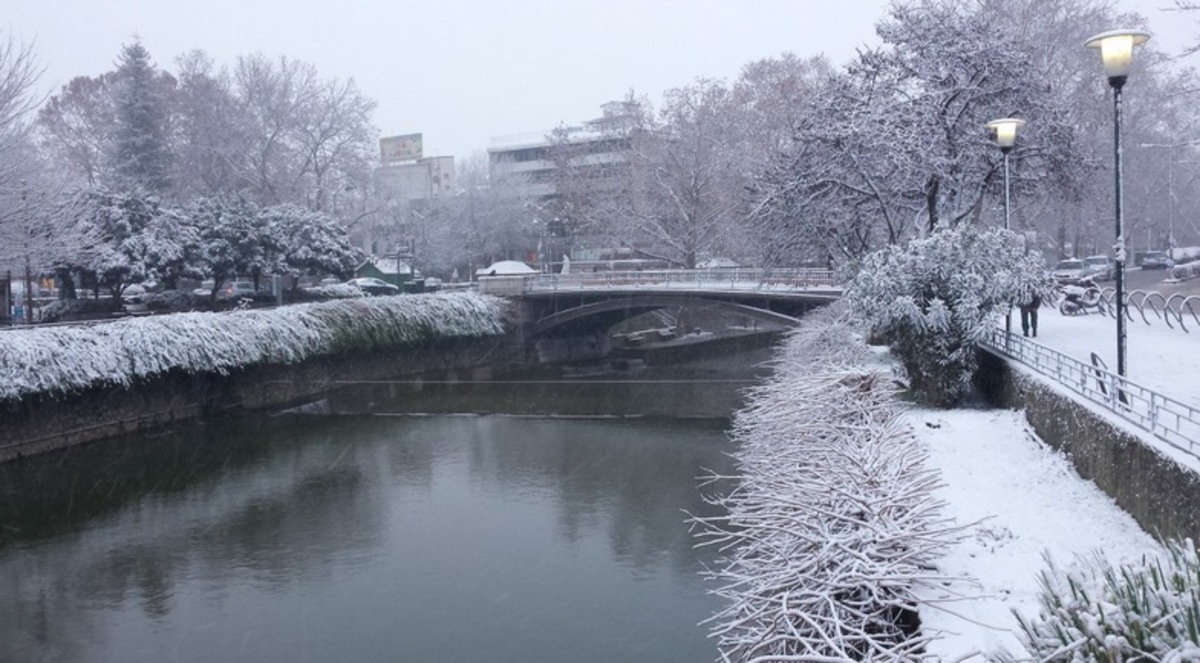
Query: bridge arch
x=594, y=316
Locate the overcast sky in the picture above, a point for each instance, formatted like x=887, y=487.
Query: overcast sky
x=465, y=71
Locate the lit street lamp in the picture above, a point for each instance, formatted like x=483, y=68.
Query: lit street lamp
x=1116, y=50
x=1005, y=131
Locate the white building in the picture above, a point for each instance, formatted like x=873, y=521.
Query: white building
x=528, y=163
x=423, y=179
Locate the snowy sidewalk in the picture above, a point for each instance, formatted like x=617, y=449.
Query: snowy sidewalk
x=1164, y=359
x=1030, y=501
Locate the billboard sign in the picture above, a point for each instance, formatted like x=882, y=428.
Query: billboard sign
x=400, y=148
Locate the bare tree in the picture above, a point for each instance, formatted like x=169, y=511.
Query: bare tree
x=310, y=139
x=74, y=126
x=212, y=132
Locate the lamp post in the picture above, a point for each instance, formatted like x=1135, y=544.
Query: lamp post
x=1116, y=50
x=1005, y=131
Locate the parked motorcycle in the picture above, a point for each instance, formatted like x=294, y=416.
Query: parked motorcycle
x=1080, y=297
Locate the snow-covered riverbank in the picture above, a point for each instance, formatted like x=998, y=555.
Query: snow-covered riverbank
x=59, y=360
x=834, y=482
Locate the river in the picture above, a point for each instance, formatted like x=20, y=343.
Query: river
x=528, y=518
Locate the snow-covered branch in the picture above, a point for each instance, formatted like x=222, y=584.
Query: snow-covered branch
x=832, y=524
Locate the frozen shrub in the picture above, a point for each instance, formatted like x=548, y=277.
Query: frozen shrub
x=932, y=300
x=832, y=526
x=61, y=310
x=1146, y=611
x=174, y=301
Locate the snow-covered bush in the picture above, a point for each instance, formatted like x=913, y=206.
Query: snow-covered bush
x=58, y=360
x=333, y=291
x=174, y=301
x=831, y=528
x=933, y=299
x=67, y=309
x=1149, y=611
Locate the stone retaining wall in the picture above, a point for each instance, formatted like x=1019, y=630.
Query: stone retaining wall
x=1161, y=495
x=44, y=423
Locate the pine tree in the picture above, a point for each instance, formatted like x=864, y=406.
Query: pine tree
x=141, y=155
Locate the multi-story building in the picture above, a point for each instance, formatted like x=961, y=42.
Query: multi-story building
x=556, y=171
x=532, y=165
x=405, y=183
x=423, y=179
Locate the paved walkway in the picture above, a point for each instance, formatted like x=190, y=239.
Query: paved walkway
x=1158, y=357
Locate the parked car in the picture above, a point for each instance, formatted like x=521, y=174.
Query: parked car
x=1156, y=260
x=374, y=286
x=205, y=289
x=229, y=290
x=1070, y=269
x=236, y=290
x=1100, y=268
x=133, y=299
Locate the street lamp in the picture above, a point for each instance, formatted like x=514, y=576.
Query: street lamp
x=1005, y=130
x=1116, y=50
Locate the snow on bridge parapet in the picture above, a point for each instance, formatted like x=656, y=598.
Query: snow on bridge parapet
x=809, y=281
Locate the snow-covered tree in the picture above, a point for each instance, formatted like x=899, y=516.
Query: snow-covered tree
x=308, y=243
x=235, y=239
x=129, y=246
x=932, y=300
x=897, y=147
x=18, y=74
x=19, y=162
x=140, y=150
x=675, y=190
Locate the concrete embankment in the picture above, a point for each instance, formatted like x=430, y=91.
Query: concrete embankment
x=45, y=422
x=1162, y=495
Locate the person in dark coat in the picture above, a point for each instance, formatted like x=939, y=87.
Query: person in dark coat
x=1029, y=313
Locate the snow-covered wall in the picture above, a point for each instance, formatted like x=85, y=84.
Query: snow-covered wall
x=1162, y=495
x=70, y=385
x=62, y=360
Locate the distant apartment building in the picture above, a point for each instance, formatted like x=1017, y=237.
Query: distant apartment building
x=424, y=179
x=561, y=169
x=405, y=182
x=405, y=174
x=531, y=165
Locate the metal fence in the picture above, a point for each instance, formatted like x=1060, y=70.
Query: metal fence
x=733, y=279
x=1175, y=422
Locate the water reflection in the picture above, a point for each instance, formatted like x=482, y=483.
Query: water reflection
x=363, y=538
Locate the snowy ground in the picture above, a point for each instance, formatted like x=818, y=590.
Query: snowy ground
x=1028, y=500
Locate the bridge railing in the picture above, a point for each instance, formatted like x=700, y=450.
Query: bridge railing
x=740, y=279
x=1173, y=421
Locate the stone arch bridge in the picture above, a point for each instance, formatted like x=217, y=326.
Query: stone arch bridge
x=568, y=317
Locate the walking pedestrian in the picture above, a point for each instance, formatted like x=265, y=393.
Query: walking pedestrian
x=1029, y=314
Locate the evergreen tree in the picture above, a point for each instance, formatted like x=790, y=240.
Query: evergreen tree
x=141, y=155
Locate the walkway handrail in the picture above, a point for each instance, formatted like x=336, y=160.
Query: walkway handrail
x=734, y=279
x=1175, y=422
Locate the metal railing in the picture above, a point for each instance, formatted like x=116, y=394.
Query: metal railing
x=739, y=279
x=1173, y=421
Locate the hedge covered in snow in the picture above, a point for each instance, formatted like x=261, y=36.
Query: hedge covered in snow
x=832, y=526
x=60, y=360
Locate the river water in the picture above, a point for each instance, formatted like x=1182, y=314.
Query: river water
x=525, y=519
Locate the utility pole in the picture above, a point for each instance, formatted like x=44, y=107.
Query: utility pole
x=28, y=248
